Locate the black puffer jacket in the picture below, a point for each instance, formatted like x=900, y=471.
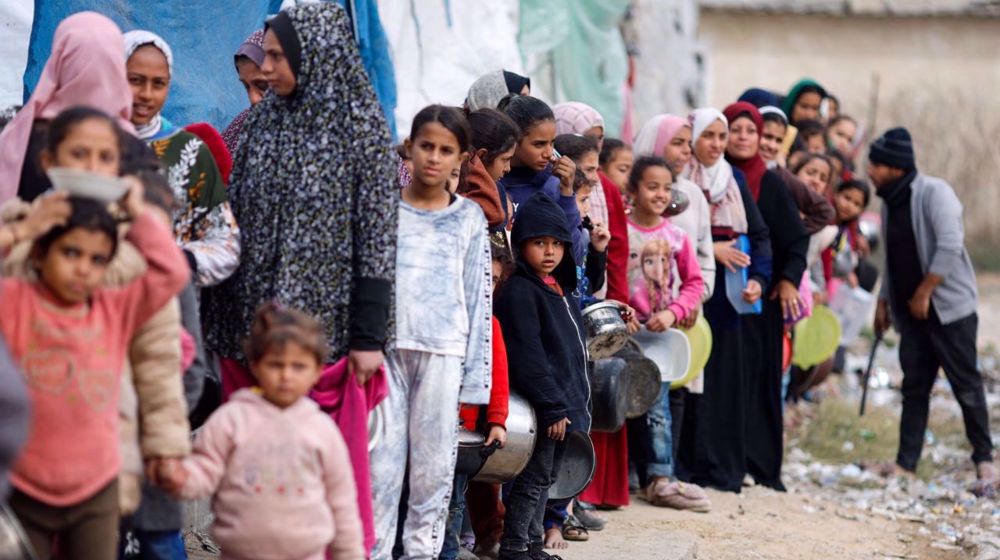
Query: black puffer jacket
x=543, y=331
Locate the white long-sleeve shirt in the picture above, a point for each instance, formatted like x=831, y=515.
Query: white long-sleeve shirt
x=444, y=289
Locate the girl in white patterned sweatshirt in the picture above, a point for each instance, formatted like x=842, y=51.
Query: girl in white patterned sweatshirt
x=442, y=349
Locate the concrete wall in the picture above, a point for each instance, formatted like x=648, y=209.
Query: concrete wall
x=937, y=76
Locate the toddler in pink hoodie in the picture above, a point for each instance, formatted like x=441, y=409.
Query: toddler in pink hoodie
x=277, y=467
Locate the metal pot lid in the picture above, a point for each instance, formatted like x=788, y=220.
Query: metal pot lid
x=577, y=468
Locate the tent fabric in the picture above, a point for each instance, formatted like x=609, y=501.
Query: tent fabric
x=588, y=53
x=440, y=48
x=204, y=34
x=16, y=18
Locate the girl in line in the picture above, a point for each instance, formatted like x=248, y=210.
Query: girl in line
x=442, y=352
x=669, y=137
x=277, y=468
x=666, y=287
x=606, y=203
x=203, y=222
x=711, y=452
x=70, y=336
x=535, y=168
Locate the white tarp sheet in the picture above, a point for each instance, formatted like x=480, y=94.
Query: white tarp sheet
x=15, y=32
x=439, y=47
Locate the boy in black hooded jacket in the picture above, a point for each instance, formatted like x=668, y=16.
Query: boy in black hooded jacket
x=547, y=360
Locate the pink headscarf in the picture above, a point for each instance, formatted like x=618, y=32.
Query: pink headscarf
x=574, y=117
x=658, y=131
x=86, y=67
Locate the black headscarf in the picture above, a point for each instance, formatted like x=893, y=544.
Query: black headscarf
x=315, y=197
x=283, y=28
x=515, y=82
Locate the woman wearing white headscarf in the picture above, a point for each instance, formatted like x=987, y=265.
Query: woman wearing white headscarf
x=203, y=221
x=712, y=450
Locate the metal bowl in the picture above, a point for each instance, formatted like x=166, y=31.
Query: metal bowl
x=606, y=330
x=678, y=203
x=577, y=469
x=376, y=426
x=643, y=380
x=508, y=462
x=14, y=544
x=609, y=391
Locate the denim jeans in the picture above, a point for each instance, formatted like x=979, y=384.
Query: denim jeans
x=528, y=495
x=661, y=445
x=456, y=515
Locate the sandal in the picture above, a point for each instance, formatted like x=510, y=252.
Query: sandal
x=589, y=520
x=574, y=531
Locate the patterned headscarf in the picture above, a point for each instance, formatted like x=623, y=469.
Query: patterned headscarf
x=574, y=117
x=85, y=68
x=252, y=48
x=315, y=195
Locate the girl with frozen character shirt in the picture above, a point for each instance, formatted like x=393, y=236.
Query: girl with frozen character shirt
x=442, y=353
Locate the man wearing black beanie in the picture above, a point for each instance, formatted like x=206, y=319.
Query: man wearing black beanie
x=929, y=295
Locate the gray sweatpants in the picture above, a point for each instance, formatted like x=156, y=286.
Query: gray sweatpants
x=421, y=424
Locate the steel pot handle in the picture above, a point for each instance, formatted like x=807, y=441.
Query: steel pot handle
x=487, y=450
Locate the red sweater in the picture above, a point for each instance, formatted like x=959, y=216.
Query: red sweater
x=496, y=411
x=617, y=266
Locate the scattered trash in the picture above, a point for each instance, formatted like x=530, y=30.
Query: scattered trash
x=943, y=505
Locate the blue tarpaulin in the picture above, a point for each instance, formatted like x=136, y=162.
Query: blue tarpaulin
x=203, y=35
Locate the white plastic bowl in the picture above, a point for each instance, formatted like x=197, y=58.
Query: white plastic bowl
x=669, y=350
x=87, y=185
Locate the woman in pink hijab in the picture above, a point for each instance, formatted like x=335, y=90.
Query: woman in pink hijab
x=86, y=67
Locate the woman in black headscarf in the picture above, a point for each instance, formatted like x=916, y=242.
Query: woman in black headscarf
x=315, y=192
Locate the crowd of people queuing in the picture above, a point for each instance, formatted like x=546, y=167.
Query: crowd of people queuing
x=302, y=271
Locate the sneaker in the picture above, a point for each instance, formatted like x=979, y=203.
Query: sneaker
x=589, y=521
x=537, y=552
x=678, y=495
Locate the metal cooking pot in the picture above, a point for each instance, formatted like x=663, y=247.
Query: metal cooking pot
x=609, y=382
x=643, y=380
x=678, y=203
x=508, y=462
x=376, y=426
x=14, y=544
x=606, y=330
x=577, y=469
x=472, y=452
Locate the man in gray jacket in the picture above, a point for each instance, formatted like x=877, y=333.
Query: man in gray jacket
x=930, y=290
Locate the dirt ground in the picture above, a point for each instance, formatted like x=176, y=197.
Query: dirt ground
x=757, y=524
x=827, y=513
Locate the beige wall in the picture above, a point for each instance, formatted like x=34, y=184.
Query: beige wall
x=774, y=51
x=940, y=77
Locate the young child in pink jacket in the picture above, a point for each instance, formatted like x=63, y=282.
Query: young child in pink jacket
x=277, y=467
